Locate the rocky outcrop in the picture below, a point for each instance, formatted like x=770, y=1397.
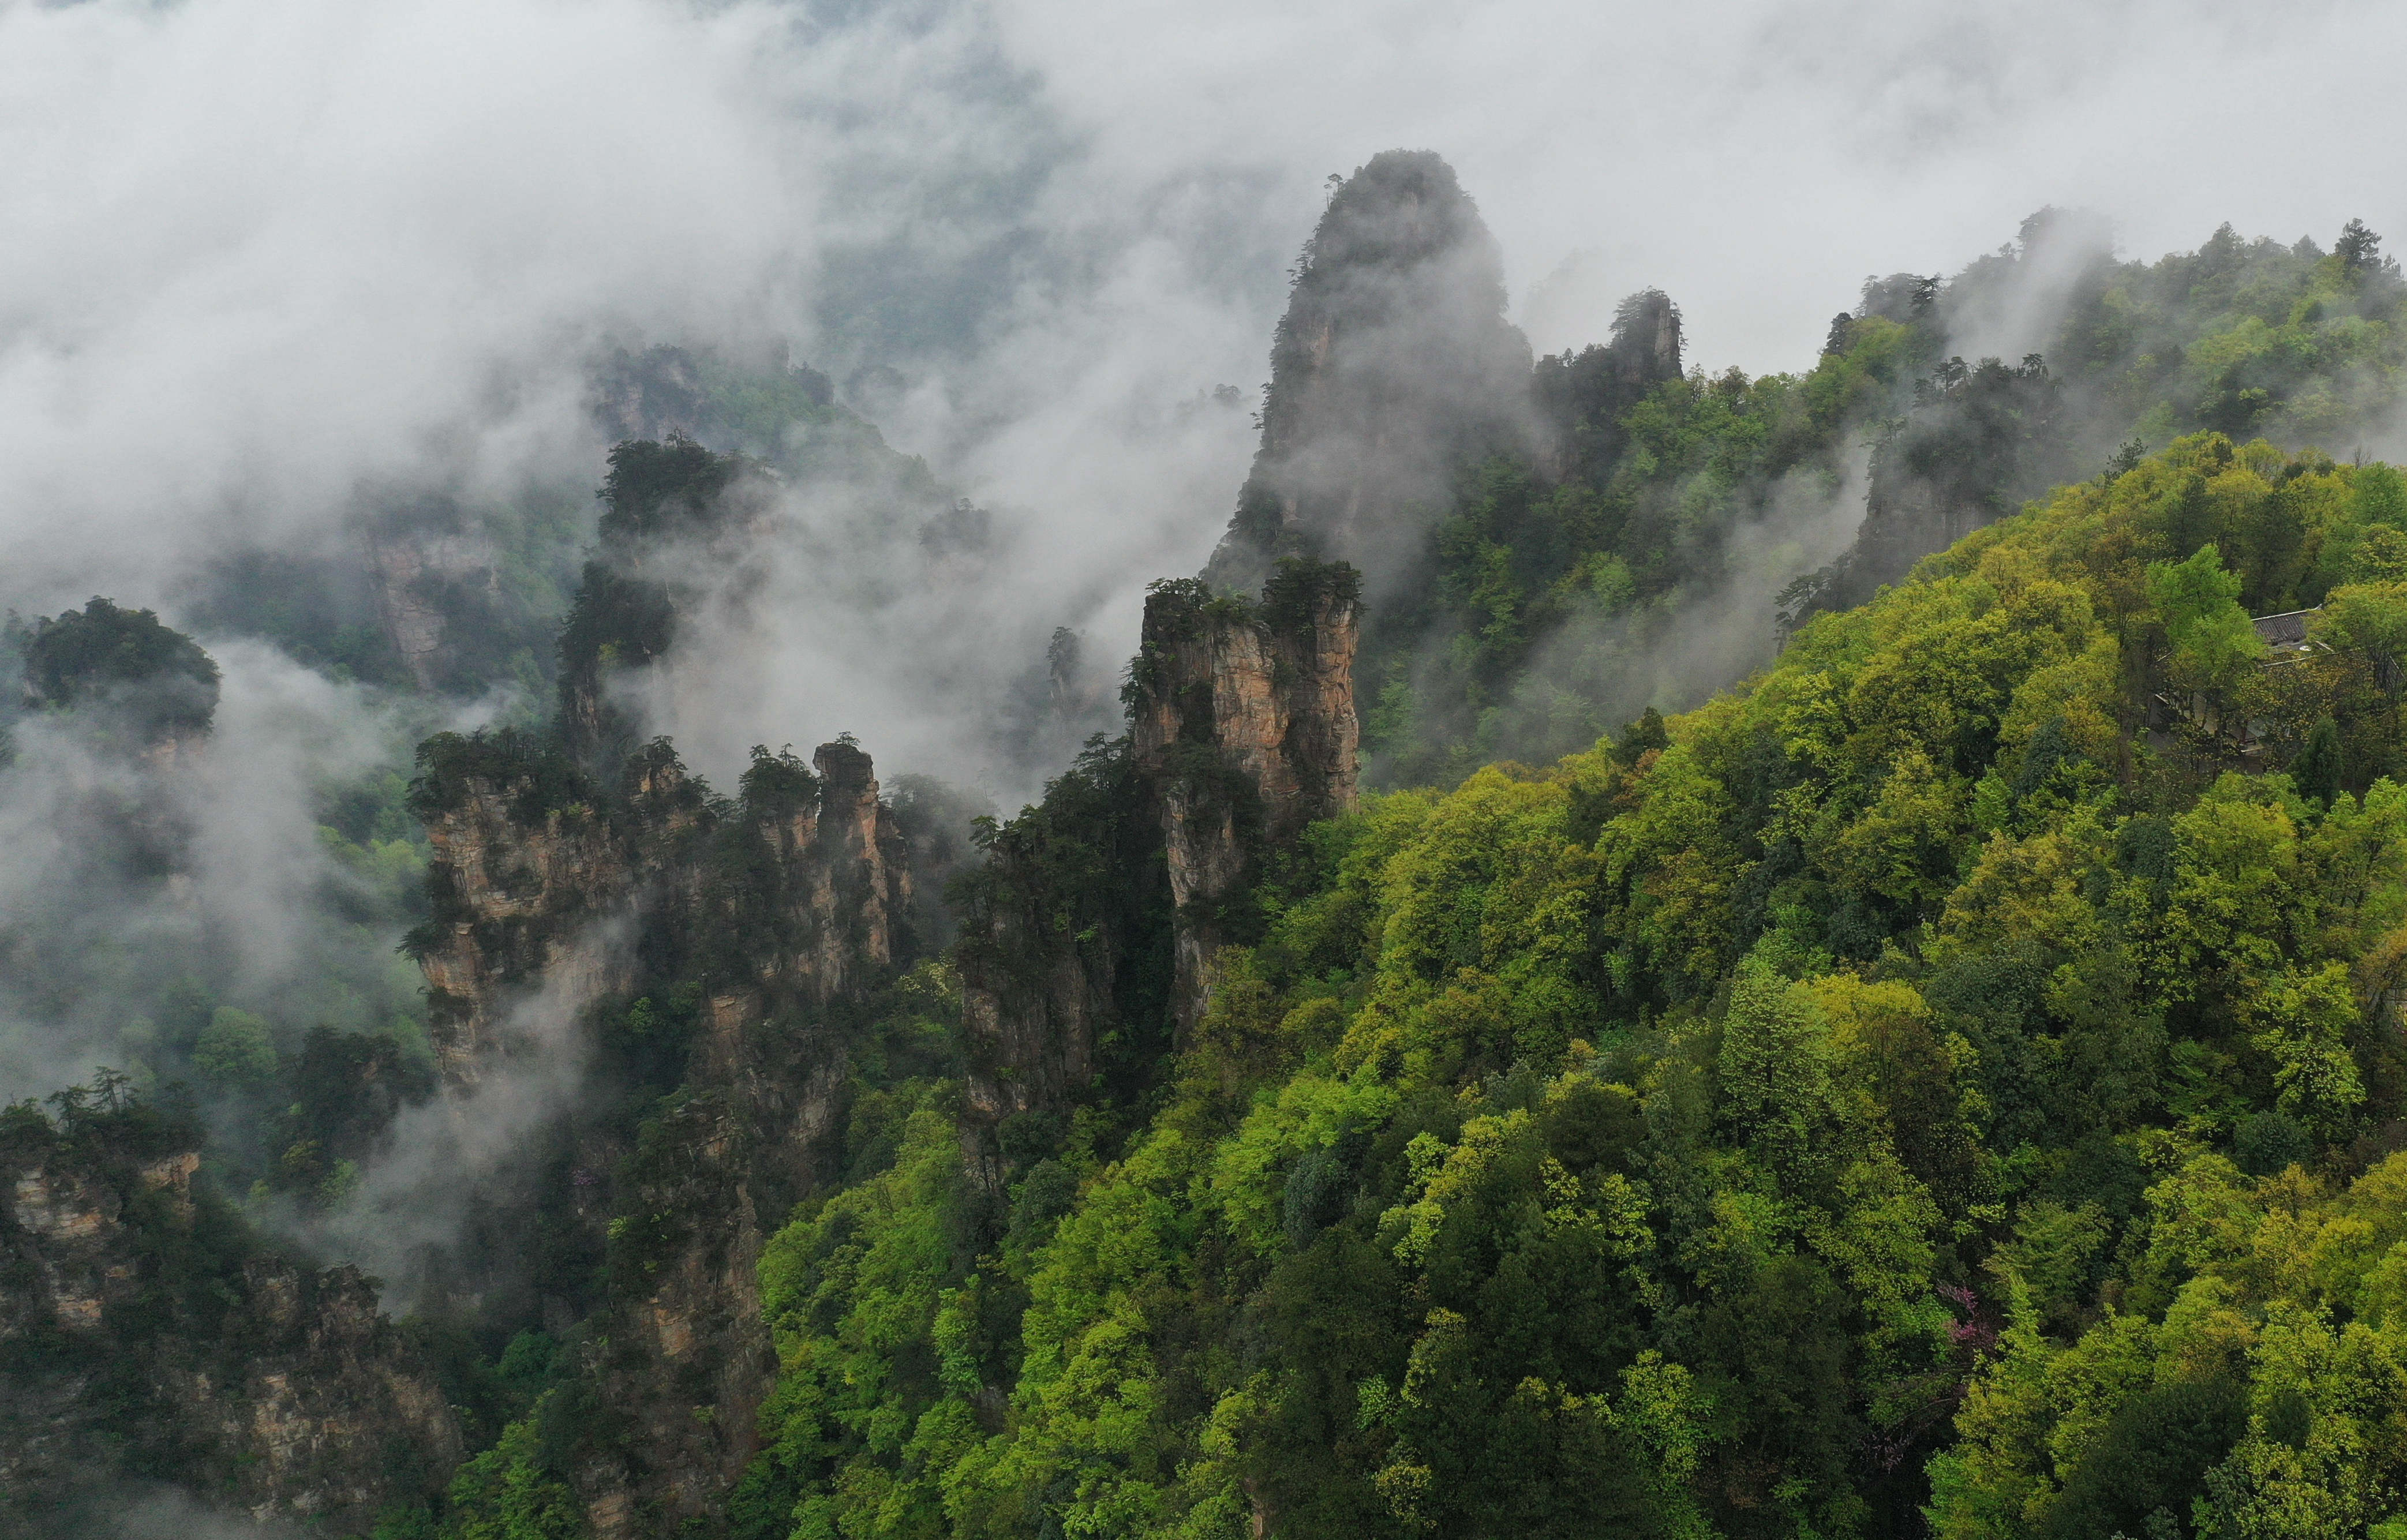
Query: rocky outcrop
x=1039, y=987
x=1581, y=397
x=1064, y=948
x=1242, y=724
x=321, y=1411
x=416, y=571
x=278, y=1390
x=1096, y=914
x=530, y=875
x=1393, y=368
x=794, y=894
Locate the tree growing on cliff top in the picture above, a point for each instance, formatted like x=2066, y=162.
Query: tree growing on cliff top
x=125, y=658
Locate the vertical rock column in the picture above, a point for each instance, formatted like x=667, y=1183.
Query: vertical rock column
x=1244, y=726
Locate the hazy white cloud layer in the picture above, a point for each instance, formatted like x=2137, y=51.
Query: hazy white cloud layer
x=260, y=250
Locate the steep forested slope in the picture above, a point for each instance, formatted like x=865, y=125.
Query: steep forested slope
x=1917, y=1060
x=1949, y=1082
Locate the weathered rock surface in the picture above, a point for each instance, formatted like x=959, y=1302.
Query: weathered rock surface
x=1243, y=724
x=412, y=569
x=1243, y=730
x=520, y=905
x=289, y=1396
x=781, y=901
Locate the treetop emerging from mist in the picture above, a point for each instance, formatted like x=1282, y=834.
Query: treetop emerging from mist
x=660, y=488
x=106, y=653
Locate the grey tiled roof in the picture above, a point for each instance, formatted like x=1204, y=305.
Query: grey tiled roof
x=2286, y=630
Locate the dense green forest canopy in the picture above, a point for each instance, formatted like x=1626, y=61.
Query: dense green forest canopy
x=1952, y=1081
x=1661, y=513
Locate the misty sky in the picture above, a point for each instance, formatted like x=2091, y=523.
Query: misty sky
x=258, y=249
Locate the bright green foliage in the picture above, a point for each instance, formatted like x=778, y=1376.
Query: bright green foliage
x=236, y=1050
x=505, y=1493
x=868, y=1420
x=2257, y=1395
x=1829, y=1105
x=2198, y=603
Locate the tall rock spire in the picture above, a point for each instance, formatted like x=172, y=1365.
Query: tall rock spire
x=1393, y=366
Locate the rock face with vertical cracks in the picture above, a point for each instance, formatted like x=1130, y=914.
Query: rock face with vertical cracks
x=1096, y=914
x=527, y=871
x=1242, y=723
x=275, y=1389
x=1393, y=368
x=793, y=894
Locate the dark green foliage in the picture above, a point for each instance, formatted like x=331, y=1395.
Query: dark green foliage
x=2319, y=771
x=124, y=659
x=624, y=615
x=2268, y=1143
x=1584, y=396
x=664, y=490
x=2152, y=1459
x=1079, y=876
x=1297, y=590
x=1641, y=737
x=1977, y=440
x=320, y=612
x=346, y=1087
x=235, y=1050
x=1545, y=595
x=776, y=786
x=538, y=777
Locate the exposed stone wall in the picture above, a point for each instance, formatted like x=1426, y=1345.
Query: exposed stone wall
x=799, y=895
x=295, y=1400
x=521, y=906
x=408, y=568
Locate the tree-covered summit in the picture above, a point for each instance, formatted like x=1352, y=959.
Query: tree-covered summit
x=128, y=659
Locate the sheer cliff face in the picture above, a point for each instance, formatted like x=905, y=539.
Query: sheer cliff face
x=519, y=904
x=1244, y=727
x=281, y=1391
x=795, y=894
x=540, y=889
x=1242, y=731
x=1392, y=368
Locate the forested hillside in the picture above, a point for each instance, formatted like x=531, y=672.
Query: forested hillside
x=1910, y=1084
x=1655, y=953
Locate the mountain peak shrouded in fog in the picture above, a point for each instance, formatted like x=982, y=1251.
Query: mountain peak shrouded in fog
x=1393, y=366
x=155, y=679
